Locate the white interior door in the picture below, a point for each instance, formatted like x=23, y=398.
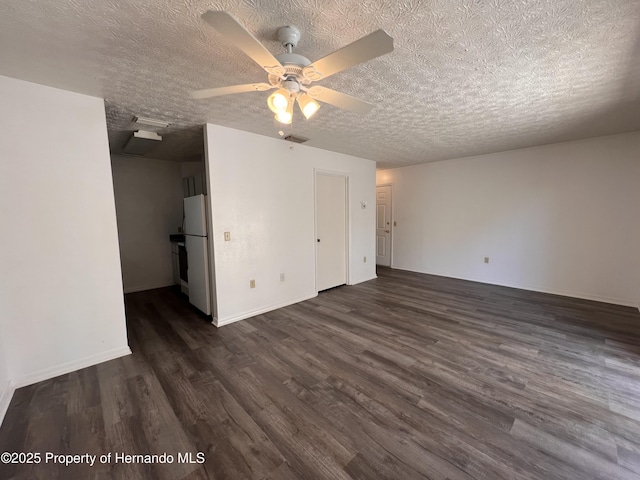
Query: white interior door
x=331, y=231
x=383, y=225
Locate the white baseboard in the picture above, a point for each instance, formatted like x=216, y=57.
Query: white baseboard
x=6, y=394
x=564, y=293
x=142, y=288
x=364, y=280
x=68, y=367
x=253, y=313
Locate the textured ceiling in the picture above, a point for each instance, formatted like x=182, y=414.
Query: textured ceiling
x=466, y=77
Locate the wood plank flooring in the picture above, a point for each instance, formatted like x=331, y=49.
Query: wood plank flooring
x=408, y=376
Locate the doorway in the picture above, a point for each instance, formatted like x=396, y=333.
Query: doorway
x=331, y=230
x=383, y=225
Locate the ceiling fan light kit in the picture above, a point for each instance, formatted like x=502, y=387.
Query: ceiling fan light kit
x=286, y=116
x=278, y=101
x=291, y=73
x=308, y=105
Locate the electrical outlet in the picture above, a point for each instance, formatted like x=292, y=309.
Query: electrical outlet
x=282, y=277
x=486, y=259
x=227, y=236
x=365, y=260
x=252, y=284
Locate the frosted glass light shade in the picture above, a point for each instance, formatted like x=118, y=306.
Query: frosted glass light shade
x=286, y=116
x=308, y=105
x=279, y=100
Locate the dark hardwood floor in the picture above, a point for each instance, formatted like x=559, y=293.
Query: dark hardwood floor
x=407, y=376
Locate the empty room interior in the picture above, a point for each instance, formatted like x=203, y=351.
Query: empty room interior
x=320, y=240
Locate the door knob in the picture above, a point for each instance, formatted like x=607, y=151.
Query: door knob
x=318, y=240
x=387, y=231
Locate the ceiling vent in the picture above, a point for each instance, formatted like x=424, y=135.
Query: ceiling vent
x=294, y=139
x=141, y=143
x=151, y=122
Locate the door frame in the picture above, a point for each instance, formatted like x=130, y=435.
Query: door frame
x=393, y=216
x=347, y=202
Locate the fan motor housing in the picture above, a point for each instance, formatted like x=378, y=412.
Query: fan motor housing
x=293, y=64
x=293, y=59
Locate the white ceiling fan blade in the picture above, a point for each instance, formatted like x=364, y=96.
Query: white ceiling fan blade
x=239, y=36
x=369, y=47
x=216, y=92
x=340, y=100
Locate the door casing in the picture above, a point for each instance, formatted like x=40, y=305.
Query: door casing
x=390, y=246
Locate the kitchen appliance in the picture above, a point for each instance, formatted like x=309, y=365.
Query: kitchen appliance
x=196, y=243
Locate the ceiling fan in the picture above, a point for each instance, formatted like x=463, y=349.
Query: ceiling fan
x=291, y=73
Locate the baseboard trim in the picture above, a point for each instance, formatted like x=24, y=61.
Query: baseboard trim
x=364, y=280
x=583, y=296
x=47, y=373
x=148, y=287
x=6, y=394
x=259, y=311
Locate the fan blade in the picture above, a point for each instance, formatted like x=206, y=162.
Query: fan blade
x=216, y=92
x=369, y=47
x=340, y=100
x=239, y=36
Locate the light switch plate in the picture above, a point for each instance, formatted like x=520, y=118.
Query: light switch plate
x=227, y=236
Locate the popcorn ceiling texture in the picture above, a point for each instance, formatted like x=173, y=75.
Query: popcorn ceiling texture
x=466, y=77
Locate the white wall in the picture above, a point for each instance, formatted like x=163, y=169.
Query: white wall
x=263, y=193
x=61, y=301
x=148, y=196
x=559, y=218
x=6, y=387
x=189, y=169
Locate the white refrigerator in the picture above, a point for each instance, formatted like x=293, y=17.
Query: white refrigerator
x=195, y=235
